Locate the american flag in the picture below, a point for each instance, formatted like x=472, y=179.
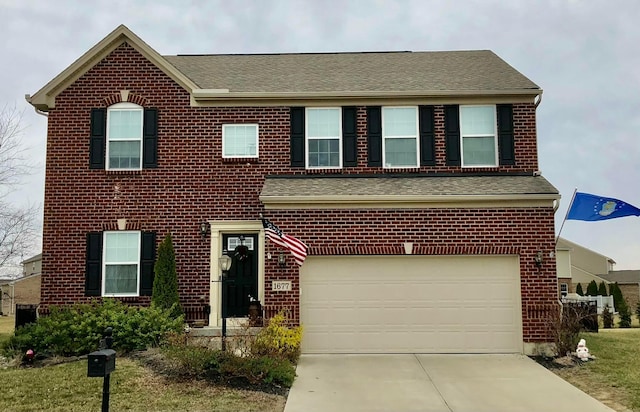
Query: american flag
x=296, y=246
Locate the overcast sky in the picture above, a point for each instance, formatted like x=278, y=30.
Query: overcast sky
x=583, y=54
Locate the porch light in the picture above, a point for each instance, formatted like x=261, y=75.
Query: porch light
x=225, y=264
x=538, y=259
x=281, y=260
x=204, y=229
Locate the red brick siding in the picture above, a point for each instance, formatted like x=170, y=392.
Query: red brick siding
x=193, y=184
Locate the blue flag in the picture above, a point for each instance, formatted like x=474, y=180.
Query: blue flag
x=592, y=208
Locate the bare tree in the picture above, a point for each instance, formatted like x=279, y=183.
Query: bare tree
x=17, y=223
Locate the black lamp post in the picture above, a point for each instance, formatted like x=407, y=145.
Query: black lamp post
x=225, y=264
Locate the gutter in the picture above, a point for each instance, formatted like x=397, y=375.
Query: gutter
x=27, y=97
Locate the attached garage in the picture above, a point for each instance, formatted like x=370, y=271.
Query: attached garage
x=411, y=304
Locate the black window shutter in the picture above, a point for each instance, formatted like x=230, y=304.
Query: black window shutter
x=452, y=134
x=374, y=135
x=427, y=136
x=297, y=137
x=506, y=143
x=150, y=139
x=93, y=275
x=98, y=138
x=147, y=262
x=349, y=137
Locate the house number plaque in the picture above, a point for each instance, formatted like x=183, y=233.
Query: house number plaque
x=281, y=285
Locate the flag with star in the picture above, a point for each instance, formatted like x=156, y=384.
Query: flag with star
x=593, y=208
x=297, y=247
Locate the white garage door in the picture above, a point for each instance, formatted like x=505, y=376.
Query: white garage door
x=411, y=304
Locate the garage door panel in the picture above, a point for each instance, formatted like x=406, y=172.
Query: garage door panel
x=435, y=304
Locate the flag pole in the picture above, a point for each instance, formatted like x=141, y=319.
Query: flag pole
x=567, y=214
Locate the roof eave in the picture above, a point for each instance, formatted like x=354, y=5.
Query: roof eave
x=44, y=99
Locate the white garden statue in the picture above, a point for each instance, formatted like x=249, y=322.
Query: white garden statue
x=582, y=351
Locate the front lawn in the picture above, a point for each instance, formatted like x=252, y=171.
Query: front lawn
x=66, y=387
x=614, y=377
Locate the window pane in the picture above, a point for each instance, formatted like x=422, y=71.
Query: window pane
x=124, y=155
x=479, y=151
x=125, y=124
x=121, y=247
x=121, y=279
x=323, y=122
x=477, y=120
x=240, y=140
x=400, y=152
x=400, y=121
x=324, y=153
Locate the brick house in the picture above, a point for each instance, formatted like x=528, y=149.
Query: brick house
x=412, y=177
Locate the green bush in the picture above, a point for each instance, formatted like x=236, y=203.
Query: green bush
x=602, y=289
x=614, y=290
x=579, y=290
x=278, y=340
x=625, y=315
x=638, y=310
x=165, y=280
x=77, y=330
x=607, y=317
x=592, y=288
x=199, y=362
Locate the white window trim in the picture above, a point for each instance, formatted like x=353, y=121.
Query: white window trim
x=495, y=137
x=124, y=106
x=307, y=138
x=384, y=139
x=104, y=264
x=225, y=156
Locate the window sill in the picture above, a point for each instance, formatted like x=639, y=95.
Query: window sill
x=123, y=172
x=240, y=160
x=330, y=171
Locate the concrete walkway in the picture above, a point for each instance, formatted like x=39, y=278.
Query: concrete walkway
x=460, y=383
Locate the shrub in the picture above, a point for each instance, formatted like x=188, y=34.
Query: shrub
x=165, y=281
x=607, y=317
x=625, y=315
x=602, y=289
x=278, y=340
x=579, y=290
x=615, y=291
x=198, y=362
x=592, y=288
x=638, y=310
x=77, y=330
x=565, y=325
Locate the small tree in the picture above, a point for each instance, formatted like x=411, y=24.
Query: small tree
x=607, y=317
x=592, y=288
x=165, y=282
x=615, y=291
x=625, y=315
x=579, y=290
x=602, y=289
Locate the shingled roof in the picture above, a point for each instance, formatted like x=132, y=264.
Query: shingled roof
x=445, y=71
x=409, y=190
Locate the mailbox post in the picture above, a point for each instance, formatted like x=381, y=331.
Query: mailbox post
x=101, y=363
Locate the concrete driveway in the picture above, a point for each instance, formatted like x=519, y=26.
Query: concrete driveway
x=460, y=383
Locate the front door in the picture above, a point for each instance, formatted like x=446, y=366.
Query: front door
x=241, y=284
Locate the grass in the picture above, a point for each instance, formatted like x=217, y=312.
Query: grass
x=614, y=377
x=66, y=387
x=7, y=324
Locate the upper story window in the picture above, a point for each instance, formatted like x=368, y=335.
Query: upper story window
x=239, y=140
x=124, y=136
x=400, y=137
x=478, y=136
x=121, y=263
x=323, y=130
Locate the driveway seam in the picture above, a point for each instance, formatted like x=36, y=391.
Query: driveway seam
x=432, y=382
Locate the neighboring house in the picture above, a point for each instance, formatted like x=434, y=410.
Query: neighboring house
x=629, y=283
x=24, y=290
x=585, y=265
x=412, y=177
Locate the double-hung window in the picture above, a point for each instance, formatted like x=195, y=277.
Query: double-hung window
x=124, y=136
x=239, y=140
x=478, y=136
x=121, y=262
x=324, y=138
x=400, y=137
